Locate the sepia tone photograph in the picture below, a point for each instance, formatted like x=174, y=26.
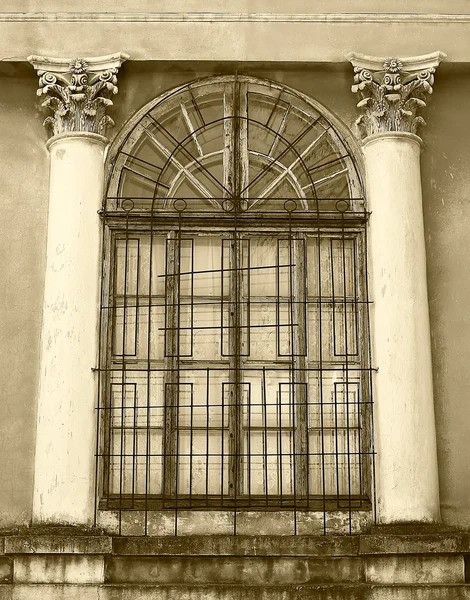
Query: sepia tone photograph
x=235, y=312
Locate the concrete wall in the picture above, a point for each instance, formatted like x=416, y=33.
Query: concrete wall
x=23, y=193
x=446, y=190
x=250, y=30
x=24, y=173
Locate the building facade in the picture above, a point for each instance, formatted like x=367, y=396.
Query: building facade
x=234, y=315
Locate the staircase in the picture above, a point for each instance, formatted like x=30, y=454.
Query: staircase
x=387, y=564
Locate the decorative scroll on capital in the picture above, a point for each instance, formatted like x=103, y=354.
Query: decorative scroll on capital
x=393, y=91
x=77, y=91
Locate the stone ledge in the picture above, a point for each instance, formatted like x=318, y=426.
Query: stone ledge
x=32, y=542
x=57, y=544
x=234, y=592
x=414, y=544
x=199, y=545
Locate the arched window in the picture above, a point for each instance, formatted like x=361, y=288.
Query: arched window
x=235, y=356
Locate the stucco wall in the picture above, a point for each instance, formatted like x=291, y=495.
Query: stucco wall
x=249, y=30
x=23, y=193
x=446, y=191
x=24, y=172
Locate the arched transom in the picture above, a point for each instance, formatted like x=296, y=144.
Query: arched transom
x=232, y=143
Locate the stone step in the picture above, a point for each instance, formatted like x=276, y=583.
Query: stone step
x=227, y=570
x=229, y=560
x=284, y=570
x=234, y=592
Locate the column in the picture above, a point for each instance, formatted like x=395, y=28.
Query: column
x=77, y=93
x=392, y=92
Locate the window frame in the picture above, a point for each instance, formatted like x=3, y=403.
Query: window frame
x=114, y=218
x=355, y=230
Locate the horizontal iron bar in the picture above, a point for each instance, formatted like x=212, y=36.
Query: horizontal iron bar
x=226, y=270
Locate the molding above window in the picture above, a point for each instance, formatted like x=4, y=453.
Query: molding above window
x=204, y=17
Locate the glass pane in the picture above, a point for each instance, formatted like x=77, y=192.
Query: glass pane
x=333, y=341
x=263, y=263
x=263, y=331
x=334, y=462
x=204, y=399
x=269, y=468
x=135, y=338
x=203, y=462
x=207, y=268
x=135, y=461
x=268, y=400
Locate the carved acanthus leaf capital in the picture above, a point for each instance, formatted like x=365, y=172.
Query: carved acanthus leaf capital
x=392, y=91
x=78, y=91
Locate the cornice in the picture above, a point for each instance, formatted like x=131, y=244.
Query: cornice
x=207, y=17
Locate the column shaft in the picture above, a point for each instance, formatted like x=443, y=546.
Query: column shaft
x=406, y=467
x=65, y=448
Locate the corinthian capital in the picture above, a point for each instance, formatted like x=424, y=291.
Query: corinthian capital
x=77, y=91
x=392, y=91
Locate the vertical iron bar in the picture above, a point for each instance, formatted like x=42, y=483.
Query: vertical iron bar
x=292, y=369
x=247, y=449
x=360, y=350
x=320, y=371
x=279, y=449
x=148, y=403
x=111, y=333
x=346, y=352
x=177, y=406
x=135, y=448
x=123, y=375
x=265, y=436
x=278, y=349
x=207, y=432
x=191, y=441
x=191, y=351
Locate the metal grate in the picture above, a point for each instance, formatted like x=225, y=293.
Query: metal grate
x=235, y=368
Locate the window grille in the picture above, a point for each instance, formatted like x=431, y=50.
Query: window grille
x=234, y=368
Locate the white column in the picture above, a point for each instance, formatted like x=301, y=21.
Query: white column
x=65, y=445
x=392, y=90
x=406, y=467
x=66, y=425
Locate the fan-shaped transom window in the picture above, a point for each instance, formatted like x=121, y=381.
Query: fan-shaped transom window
x=235, y=360
x=233, y=138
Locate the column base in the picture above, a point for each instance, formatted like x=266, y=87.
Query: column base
x=412, y=529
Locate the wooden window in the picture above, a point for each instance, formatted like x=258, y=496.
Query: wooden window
x=235, y=369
